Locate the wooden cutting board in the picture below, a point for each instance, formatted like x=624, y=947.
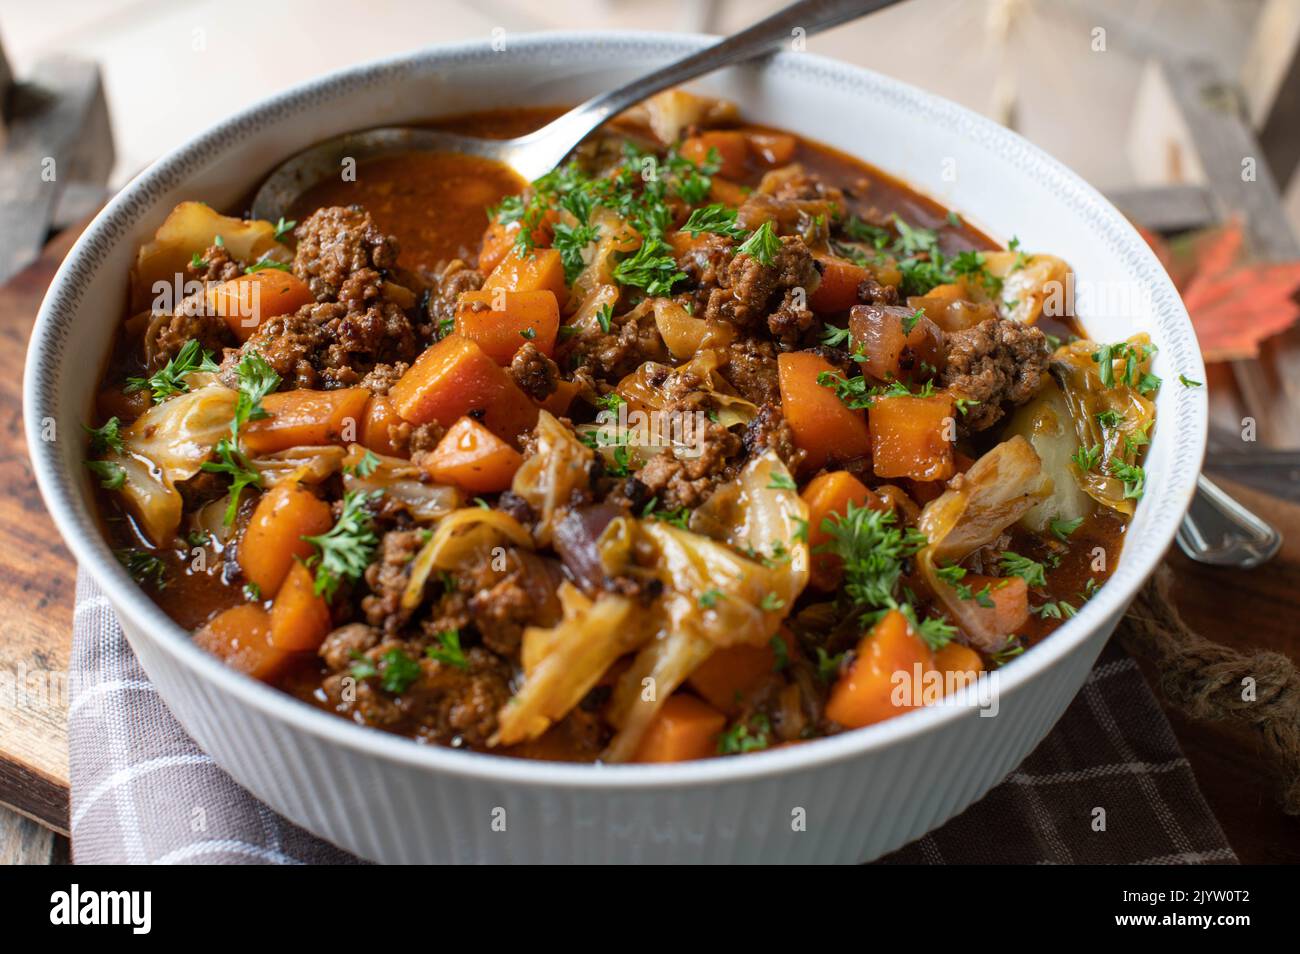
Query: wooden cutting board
x=1242, y=608
x=37, y=581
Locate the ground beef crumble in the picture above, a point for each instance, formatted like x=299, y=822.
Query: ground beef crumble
x=997, y=362
x=334, y=244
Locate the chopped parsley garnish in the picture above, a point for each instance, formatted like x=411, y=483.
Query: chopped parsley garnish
x=144, y=567
x=604, y=317
x=763, y=245
x=1061, y=529
x=678, y=518
x=266, y=262
x=448, y=651
x=782, y=481
x=715, y=218
x=283, y=228
x=709, y=598
x=748, y=736
x=909, y=321
x=256, y=380
x=107, y=437
x=571, y=242
x=651, y=267
x=253, y=592
x=873, y=550
x=1031, y=571
x=1010, y=650
x=111, y=474
x=345, y=550
x=1134, y=478
x=1087, y=458
x=170, y=380
x=610, y=402
x=828, y=666
x=1057, y=610
x=397, y=671
x=1187, y=382
x=365, y=466
x=1132, y=355
x=836, y=337
x=771, y=603
x=1110, y=418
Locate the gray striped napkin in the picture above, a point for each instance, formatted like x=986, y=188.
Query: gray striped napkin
x=143, y=792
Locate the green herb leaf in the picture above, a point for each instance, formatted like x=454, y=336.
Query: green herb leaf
x=170, y=380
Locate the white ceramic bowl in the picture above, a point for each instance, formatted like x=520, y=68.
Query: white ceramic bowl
x=862, y=793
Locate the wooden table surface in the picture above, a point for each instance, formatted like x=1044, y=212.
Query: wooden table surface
x=1241, y=608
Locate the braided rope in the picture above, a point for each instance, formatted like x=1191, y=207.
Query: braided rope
x=1209, y=681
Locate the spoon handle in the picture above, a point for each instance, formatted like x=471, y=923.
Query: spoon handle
x=1220, y=531
x=810, y=16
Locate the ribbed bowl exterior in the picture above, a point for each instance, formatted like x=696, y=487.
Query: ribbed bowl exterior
x=853, y=810
x=843, y=799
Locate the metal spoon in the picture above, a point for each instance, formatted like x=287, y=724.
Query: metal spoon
x=1216, y=530
x=1220, y=531
x=539, y=152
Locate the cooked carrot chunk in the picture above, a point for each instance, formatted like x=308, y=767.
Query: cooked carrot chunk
x=274, y=539
x=823, y=426
x=828, y=495
x=472, y=457
x=912, y=437
x=247, y=301
x=685, y=728
x=455, y=378
x=300, y=620
x=521, y=317
x=538, y=270
x=241, y=636
x=887, y=656
x=304, y=417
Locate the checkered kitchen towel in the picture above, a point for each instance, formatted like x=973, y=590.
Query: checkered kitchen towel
x=142, y=791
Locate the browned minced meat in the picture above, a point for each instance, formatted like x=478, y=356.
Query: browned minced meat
x=749, y=291
x=387, y=578
x=515, y=589
x=632, y=340
x=536, y=374
x=327, y=345
x=425, y=437
x=191, y=321
x=343, y=645
x=769, y=430
x=751, y=370
x=383, y=376
x=360, y=340
x=872, y=292
x=289, y=344
x=687, y=480
x=446, y=704
x=997, y=362
x=216, y=265
x=334, y=243
x=453, y=278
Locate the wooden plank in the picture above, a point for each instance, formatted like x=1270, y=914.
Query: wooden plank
x=1247, y=610
x=59, y=134
x=1171, y=208
x=1270, y=82
x=1189, y=126
x=23, y=842
x=37, y=576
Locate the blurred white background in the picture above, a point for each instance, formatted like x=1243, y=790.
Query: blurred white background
x=172, y=67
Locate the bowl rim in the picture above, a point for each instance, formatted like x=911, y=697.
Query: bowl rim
x=70, y=510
